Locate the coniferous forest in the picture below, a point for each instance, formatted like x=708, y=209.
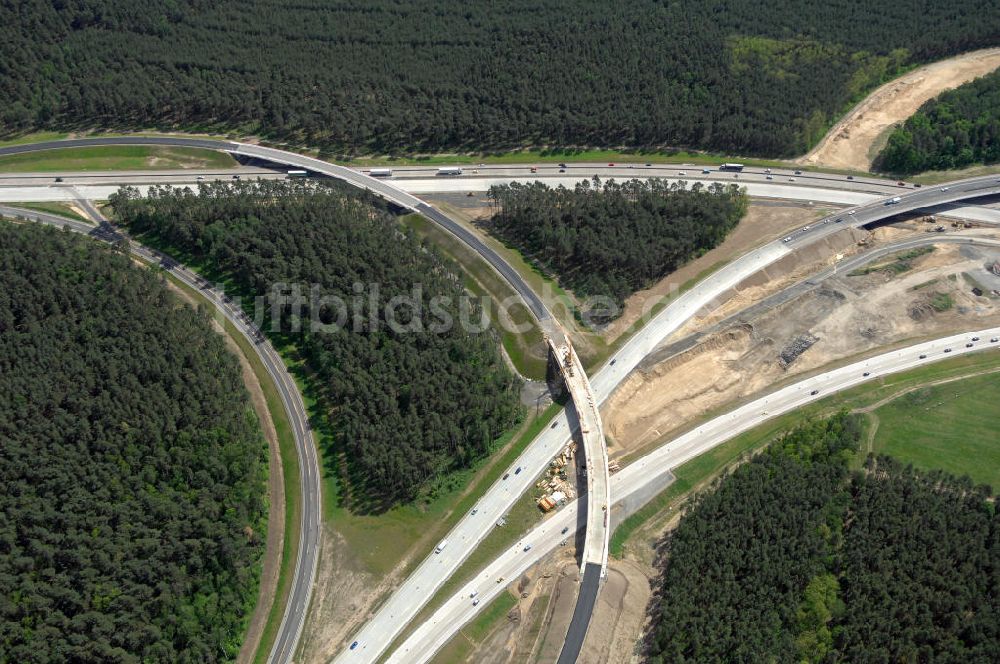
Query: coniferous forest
x=613, y=238
x=794, y=558
x=958, y=128
x=133, y=469
x=403, y=404
x=376, y=76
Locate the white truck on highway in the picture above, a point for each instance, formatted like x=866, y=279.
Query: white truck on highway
x=450, y=170
x=380, y=172
x=440, y=547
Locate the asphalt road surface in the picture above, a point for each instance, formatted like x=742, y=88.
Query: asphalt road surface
x=308, y=554
x=376, y=635
x=458, y=610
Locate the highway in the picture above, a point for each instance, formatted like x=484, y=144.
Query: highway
x=376, y=635
x=434, y=633
x=297, y=605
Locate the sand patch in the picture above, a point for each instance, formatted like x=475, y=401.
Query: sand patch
x=852, y=142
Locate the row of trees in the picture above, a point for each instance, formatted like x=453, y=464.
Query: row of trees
x=793, y=558
x=405, y=396
x=610, y=239
x=133, y=509
x=958, y=128
x=432, y=75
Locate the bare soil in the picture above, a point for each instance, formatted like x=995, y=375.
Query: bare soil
x=535, y=630
x=763, y=223
x=342, y=600
x=619, y=615
x=848, y=315
x=853, y=142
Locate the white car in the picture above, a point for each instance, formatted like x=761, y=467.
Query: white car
x=681, y=173
x=851, y=212
x=787, y=239
x=791, y=179
x=770, y=177
x=945, y=188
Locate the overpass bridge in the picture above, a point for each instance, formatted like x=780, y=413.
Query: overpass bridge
x=594, y=558
x=379, y=634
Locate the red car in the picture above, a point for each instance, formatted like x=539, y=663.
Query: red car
x=610, y=164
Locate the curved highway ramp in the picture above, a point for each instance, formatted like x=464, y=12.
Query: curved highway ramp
x=594, y=561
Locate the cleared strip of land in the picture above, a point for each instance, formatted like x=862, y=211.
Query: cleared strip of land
x=853, y=142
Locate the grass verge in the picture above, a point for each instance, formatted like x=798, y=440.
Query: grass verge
x=578, y=155
x=59, y=209
x=115, y=157
x=480, y=279
x=290, y=478
x=903, y=446
x=472, y=636
x=382, y=544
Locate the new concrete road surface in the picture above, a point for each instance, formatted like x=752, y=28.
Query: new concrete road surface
x=415, y=591
x=458, y=610
x=411, y=595
x=308, y=555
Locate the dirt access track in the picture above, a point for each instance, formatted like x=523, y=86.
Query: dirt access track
x=853, y=142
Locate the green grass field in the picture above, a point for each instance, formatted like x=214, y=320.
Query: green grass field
x=115, y=158
x=906, y=448
x=60, y=209
x=952, y=426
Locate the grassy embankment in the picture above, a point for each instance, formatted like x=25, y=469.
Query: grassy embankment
x=290, y=477
x=51, y=207
x=115, y=158
x=977, y=456
x=523, y=348
x=379, y=544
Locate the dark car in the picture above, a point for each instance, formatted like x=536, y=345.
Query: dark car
x=562, y=165
x=947, y=350
x=554, y=425
x=814, y=392
x=923, y=357
x=506, y=475
x=867, y=373
x=59, y=179
x=518, y=471
x=565, y=530
x=968, y=345
x=850, y=177
x=354, y=645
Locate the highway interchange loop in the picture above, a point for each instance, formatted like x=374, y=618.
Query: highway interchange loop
x=403, y=605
